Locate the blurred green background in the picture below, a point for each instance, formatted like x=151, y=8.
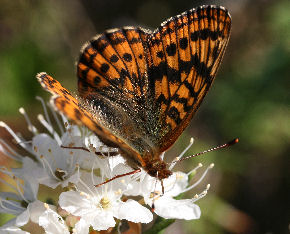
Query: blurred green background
x=249, y=100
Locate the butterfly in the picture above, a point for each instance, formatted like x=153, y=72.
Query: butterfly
x=139, y=89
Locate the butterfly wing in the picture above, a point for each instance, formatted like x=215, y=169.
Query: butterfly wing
x=184, y=55
x=75, y=110
x=114, y=62
x=153, y=82
x=112, y=76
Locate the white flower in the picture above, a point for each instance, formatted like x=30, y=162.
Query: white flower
x=77, y=165
x=23, y=203
x=53, y=223
x=99, y=206
x=59, y=164
x=166, y=205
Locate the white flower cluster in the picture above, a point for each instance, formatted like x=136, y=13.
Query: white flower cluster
x=69, y=165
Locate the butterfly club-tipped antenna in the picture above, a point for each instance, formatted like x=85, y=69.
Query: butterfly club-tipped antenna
x=230, y=143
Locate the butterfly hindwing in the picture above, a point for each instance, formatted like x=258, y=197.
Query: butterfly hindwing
x=185, y=52
x=72, y=108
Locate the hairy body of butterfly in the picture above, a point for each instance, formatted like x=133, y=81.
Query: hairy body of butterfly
x=140, y=89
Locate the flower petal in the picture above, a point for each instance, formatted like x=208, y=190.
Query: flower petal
x=74, y=203
x=52, y=223
x=36, y=209
x=134, y=212
x=101, y=222
x=170, y=208
x=81, y=227
x=22, y=218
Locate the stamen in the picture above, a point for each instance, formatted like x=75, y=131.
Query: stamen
x=48, y=166
x=31, y=127
x=16, y=138
x=60, y=126
x=70, y=160
x=13, y=155
x=105, y=202
x=173, y=163
x=9, y=185
x=194, y=169
x=52, y=157
x=85, y=195
x=200, y=179
x=44, y=109
x=19, y=191
x=49, y=128
x=46, y=206
x=118, y=192
x=92, y=173
x=84, y=184
x=5, y=171
x=87, y=187
x=61, y=174
x=201, y=195
x=14, y=204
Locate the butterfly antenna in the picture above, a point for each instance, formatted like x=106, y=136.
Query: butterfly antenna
x=119, y=176
x=232, y=142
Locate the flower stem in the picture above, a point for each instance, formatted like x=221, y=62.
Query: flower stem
x=159, y=225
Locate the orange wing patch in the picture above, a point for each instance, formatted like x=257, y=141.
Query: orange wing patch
x=115, y=60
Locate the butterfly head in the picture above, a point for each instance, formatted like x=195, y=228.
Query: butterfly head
x=156, y=168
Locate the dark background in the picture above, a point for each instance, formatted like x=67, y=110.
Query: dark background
x=249, y=100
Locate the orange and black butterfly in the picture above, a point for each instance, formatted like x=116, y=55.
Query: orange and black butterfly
x=140, y=89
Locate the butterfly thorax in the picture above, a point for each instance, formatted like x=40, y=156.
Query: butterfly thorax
x=156, y=167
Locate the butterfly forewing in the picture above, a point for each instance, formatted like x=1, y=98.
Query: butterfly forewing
x=184, y=56
x=114, y=60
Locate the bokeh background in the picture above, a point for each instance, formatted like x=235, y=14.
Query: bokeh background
x=250, y=98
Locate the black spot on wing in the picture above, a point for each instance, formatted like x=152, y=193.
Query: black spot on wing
x=105, y=67
x=183, y=43
x=205, y=34
x=127, y=57
x=114, y=58
x=160, y=54
x=97, y=80
x=171, y=49
x=173, y=113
